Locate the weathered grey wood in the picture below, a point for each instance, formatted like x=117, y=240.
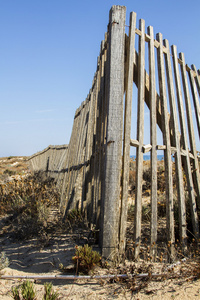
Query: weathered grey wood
x=78, y=178
x=161, y=147
x=76, y=153
x=195, y=170
x=197, y=78
x=147, y=93
x=153, y=141
x=134, y=143
x=140, y=138
x=91, y=187
x=70, y=164
x=81, y=184
x=95, y=179
x=101, y=133
x=127, y=132
x=185, y=150
x=62, y=167
x=166, y=141
x=113, y=164
x=90, y=158
x=195, y=99
x=146, y=148
x=177, y=152
x=104, y=136
x=86, y=158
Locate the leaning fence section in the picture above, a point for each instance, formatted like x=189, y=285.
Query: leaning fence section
x=92, y=180
x=51, y=161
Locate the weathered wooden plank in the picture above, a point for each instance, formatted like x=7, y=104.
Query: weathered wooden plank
x=90, y=168
x=95, y=179
x=195, y=170
x=62, y=167
x=166, y=141
x=127, y=131
x=185, y=150
x=91, y=187
x=197, y=78
x=63, y=202
x=140, y=138
x=101, y=133
x=134, y=143
x=146, y=148
x=79, y=180
x=98, y=146
x=113, y=164
x=161, y=147
x=147, y=94
x=104, y=135
x=195, y=100
x=177, y=153
x=153, y=140
x=74, y=170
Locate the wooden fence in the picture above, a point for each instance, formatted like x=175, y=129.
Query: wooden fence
x=96, y=176
x=51, y=161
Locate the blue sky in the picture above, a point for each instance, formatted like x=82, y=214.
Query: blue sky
x=48, y=55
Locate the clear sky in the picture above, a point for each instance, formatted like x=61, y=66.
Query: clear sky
x=48, y=55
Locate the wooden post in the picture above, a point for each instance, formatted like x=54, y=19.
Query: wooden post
x=113, y=160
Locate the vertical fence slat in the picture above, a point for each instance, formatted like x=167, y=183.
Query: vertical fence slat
x=166, y=140
x=195, y=170
x=176, y=141
x=127, y=131
x=140, y=138
x=197, y=78
x=95, y=147
x=195, y=99
x=101, y=132
x=105, y=115
x=186, y=159
x=153, y=140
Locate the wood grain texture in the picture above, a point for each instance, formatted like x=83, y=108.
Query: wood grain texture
x=127, y=132
x=113, y=164
x=140, y=138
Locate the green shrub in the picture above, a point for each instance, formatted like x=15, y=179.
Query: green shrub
x=85, y=258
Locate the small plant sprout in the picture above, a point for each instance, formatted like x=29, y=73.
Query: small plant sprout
x=27, y=290
x=49, y=294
